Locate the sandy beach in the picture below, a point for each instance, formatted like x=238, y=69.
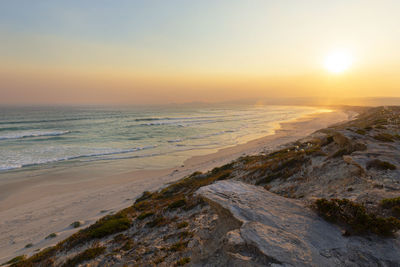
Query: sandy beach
x=33, y=207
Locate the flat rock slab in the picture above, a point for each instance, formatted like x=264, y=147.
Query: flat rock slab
x=289, y=233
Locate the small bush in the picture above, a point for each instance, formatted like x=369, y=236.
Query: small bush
x=177, y=204
x=88, y=254
x=109, y=227
x=52, y=235
x=29, y=245
x=40, y=257
x=388, y=203
x=144, y=215
x=105, y=226
x=380, y=165
x=143, y=205
x=355, y=217
x=396, y=211
x=178, y=246
x=75, y=224
x=16, y=260
x=393, y=204
x=183, y=261
x=182, y=225
x=146, y=195
x=361, y=131
x=120, y=238
x=158, y=221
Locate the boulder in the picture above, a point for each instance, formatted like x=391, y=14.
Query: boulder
x=276, y=231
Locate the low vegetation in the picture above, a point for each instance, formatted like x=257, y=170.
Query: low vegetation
x=144, y=215
x=392, y=204
x=105, y=226
x=88, y=254
x=75, y=224
x=15, y=260
x=43, y=257
x=355, y=218
x=52, y=235
x=177, y=204
x=157, y=222
x=178, y=246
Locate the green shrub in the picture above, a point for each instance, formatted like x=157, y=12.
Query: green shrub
x=105, y=226
x=158, y=221
x=178, y=246
x=145, y=195
x=16, y=260
x=361, y=131
x=88, y=254
x=393, y=204
x=396, y=211
x=75, y=224
x=177, y=204
x=52, y=235
x=388, y=203
x=355, y=217
x=109, y=227
x=144, y=215
x=40, y=257
x=29, y=245
x=142, y=205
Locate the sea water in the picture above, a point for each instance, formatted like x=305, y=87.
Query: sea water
x=151, y=137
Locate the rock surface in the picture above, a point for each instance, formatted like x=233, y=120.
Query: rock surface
x=277, y=231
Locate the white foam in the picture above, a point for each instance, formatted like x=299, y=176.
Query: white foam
x=26, y=134
x=29, y=161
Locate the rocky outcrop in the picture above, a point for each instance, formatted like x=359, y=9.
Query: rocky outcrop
x=277, y=231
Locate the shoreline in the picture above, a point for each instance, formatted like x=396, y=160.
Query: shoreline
x=27, y=216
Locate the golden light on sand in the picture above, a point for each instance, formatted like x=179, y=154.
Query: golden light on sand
x=338, y=61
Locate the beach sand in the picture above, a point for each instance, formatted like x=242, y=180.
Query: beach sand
x=34, y=206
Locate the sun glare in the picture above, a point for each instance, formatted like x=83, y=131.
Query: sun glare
x=338, y=61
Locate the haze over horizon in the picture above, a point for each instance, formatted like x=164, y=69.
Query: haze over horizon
x=157, y=52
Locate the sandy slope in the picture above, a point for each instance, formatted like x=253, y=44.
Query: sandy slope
x=33, y=207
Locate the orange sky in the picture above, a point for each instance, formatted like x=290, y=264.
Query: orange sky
x=136, y=53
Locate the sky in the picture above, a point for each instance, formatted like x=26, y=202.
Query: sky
x=157, y=51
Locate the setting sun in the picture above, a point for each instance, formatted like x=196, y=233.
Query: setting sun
x=338, y=61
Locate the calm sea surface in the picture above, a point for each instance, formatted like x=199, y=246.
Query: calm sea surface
x=164, y=136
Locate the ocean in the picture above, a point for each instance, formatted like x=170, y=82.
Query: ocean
x=151, y=137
